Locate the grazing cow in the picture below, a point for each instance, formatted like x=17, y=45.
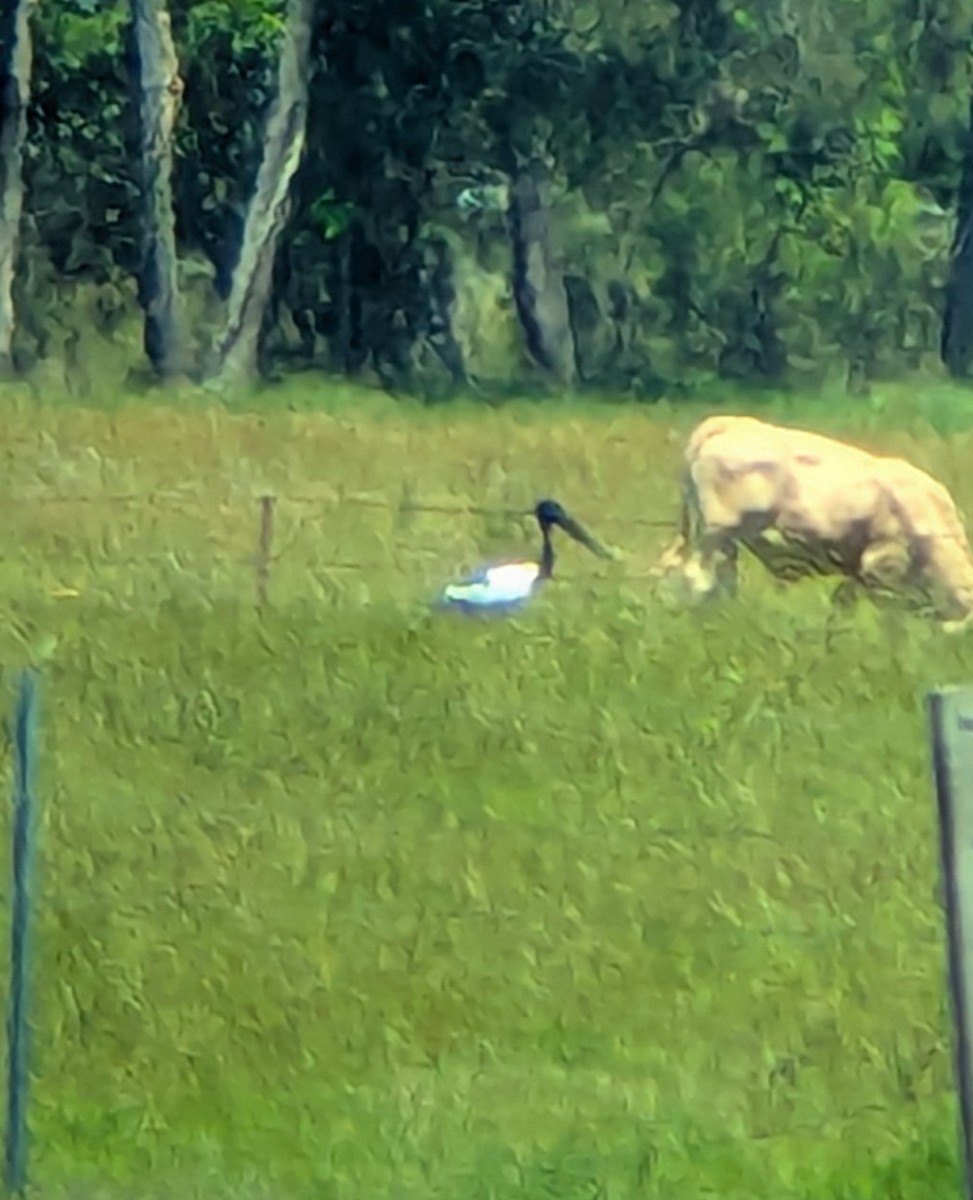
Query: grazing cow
x=806, y=505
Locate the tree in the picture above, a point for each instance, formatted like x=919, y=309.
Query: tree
x=237, y=349
x=14, y=98
x=538, y=276
x=956, y=345
x=753, y=191
x=160, y=90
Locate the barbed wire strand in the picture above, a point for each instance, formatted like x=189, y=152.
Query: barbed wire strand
x=405, y=506
x=267, y=556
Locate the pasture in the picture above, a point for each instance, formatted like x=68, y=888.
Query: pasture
x=342, y=900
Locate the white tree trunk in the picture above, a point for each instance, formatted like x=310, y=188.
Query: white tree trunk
x=13, y=134
x=538, y=276
x=236, y=350
x=159, y=96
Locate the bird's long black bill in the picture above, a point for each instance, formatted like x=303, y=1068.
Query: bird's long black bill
x=580, y=534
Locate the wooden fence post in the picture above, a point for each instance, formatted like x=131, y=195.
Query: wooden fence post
x=264, y=548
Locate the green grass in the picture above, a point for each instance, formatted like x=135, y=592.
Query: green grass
x=355, y=904
x=348, y=901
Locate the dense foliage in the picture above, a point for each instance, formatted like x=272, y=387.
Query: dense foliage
x=753, y=191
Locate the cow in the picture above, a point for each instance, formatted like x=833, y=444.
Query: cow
x=803, y=505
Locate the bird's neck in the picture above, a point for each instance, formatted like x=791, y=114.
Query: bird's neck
x=547, y=557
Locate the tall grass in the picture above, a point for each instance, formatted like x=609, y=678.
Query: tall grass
x=347, y=901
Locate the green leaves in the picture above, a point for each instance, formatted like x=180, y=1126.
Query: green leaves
x=743, y=20
x=332, y=217
x=252, y=25
x=703, y=134
x=85, y=29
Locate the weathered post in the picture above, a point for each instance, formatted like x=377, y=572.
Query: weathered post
x=951, y=731
x=18, y=1013
x=264, y=548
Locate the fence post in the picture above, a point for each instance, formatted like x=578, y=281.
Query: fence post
x=264, y=546
x=22, y=855
x=951, y=735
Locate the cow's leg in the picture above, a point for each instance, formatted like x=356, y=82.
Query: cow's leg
x=711, y=569
x=723, y=555
x=698, y=572
x=672, y=558
x=846, y=595
x=718, y=530
x=883, y=571
x=844, y=600
x=702, y=558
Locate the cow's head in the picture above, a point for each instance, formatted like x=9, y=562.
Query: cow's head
x=682, y=577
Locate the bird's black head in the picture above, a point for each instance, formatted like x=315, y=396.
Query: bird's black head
x=549, y=512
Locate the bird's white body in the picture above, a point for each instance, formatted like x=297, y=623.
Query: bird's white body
x=502, y=586
x=507, y=586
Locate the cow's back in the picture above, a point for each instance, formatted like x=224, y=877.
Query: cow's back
x=741, y=442
x=741, y=467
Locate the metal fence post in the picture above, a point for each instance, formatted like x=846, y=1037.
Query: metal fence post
x=22, y=855
x=951, y=733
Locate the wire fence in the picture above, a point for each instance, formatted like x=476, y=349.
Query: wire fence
x=334, y=499
x=275, y=523
x=275, y=540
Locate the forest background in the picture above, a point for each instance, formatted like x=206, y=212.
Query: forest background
x=637, y=198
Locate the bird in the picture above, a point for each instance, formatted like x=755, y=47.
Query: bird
x=506, y=587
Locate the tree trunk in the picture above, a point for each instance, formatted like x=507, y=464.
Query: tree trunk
x=538, y=283
x=14, y=97
x=956, y=344
x=159, y=97
x=237, y=349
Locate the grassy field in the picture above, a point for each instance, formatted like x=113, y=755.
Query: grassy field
x=345, y=901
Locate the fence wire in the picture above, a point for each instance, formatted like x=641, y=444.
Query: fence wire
x=273, y=549
x=327, y=499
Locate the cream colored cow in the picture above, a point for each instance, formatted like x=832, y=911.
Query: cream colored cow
x=804, y=504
